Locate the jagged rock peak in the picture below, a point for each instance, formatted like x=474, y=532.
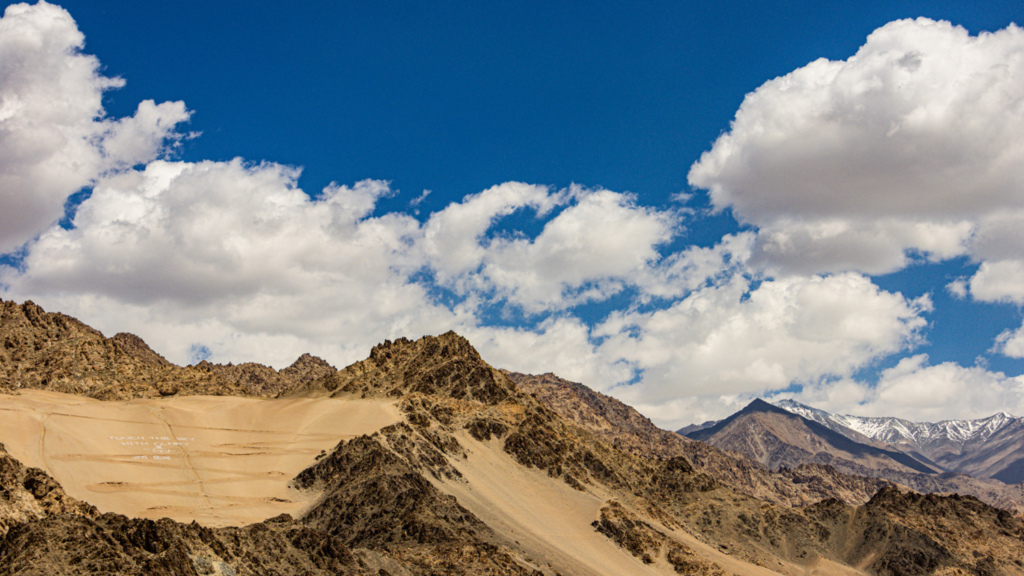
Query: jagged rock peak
x=448, y=344
x=445, y=366
x=307, y=360
x=134, y=346
x=759, y=405
x=52, y=325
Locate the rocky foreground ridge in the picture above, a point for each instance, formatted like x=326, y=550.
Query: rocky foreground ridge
x=399, y=501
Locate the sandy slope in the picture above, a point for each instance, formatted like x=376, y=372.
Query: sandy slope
x=552, y=522
x=223, y=461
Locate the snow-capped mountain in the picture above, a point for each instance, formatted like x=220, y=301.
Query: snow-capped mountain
x=986, y=447
x=897, y=430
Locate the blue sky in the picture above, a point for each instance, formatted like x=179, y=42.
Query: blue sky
x=612, y=264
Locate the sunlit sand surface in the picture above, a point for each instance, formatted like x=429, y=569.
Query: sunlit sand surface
x=221, y=461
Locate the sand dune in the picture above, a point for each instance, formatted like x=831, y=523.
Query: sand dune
x=222, y=461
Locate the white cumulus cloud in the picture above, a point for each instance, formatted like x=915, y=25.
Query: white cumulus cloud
x=916, y=390
x=912, y=144
x=735, y=339
x=240, y=245
x=1001, y=281
x=54, y=138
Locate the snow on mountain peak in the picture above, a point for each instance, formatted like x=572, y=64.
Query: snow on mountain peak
x=898, y=430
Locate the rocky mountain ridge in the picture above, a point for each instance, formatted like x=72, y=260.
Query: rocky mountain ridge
x=425, y=496
x=52, y=351
x=796, y=482
x=625, y=428
x=892, y=430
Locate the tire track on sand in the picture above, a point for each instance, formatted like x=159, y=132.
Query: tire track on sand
x=187, y=460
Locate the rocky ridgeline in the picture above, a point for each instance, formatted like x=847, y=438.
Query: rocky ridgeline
x=28, y=494
x=52, y=351
x=445, y=366
x=624, y=427
x=380, y=507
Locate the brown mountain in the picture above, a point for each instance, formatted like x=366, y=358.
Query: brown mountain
x=795, y=482
x=624, y=427
x=778, y=438
x=55, y=352
x=475, y=477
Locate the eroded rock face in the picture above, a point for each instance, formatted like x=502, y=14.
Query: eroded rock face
x=115, y=545
x=911, y=533
x=28, y=494
x=649, y=544
x=378, y=499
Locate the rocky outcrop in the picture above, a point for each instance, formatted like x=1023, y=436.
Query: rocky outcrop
x=610, y=419
x=258, y=380
x=28, y=494
x=114, y=545
x=445, y=366
x=375, y=498
x=910, y=533
x=649, y=544
x=52, y=351
x=133, y=346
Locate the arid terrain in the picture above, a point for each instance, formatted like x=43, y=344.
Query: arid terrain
x=421, y=459
x=219, y=460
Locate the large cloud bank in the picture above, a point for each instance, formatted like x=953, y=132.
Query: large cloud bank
x=234, y=261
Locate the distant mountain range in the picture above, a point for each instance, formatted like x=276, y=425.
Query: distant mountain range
x=986, y=448
x=990, y=447
x=777, y=439
x=782, y=439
